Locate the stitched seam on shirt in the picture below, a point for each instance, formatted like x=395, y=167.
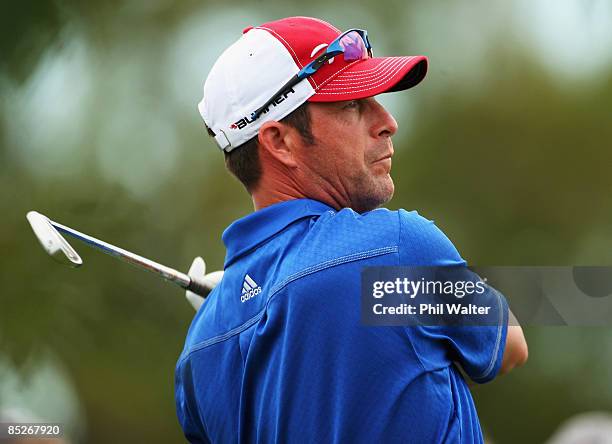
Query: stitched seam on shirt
x=399, y=258
x=322, y=266
x=498, y=340
x=228, y=334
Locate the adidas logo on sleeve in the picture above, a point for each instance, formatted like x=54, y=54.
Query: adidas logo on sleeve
x=249, y=289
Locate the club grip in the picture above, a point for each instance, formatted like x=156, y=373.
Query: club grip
x=199, y=286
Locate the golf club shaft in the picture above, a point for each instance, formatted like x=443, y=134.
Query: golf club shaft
x=166, y=272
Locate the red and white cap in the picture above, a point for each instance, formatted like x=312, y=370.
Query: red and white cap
x=265, y=57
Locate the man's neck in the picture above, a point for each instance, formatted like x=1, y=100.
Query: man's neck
x=264, y=200
x=263, y=197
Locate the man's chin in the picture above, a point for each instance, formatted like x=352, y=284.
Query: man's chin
x=387, y=190
x=389, y=194
x=378, y=196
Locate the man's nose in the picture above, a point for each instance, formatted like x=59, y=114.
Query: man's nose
x=385, y=124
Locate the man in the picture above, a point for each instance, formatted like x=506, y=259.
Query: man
x=278, y=353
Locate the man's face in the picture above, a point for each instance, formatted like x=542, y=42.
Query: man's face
x=349, y=164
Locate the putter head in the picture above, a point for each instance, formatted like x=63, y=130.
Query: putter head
x=53, y=242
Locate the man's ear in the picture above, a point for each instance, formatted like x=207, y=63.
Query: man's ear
x=279, y=141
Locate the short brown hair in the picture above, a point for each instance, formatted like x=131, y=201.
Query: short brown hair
x=243, y=161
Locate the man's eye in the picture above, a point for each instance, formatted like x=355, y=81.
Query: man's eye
x=351, y=104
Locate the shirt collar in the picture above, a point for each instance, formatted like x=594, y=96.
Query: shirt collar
x=249, y=231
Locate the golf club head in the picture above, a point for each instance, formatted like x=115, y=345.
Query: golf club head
x=53, y=242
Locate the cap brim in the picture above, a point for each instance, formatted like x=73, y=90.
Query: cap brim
x=370, y=77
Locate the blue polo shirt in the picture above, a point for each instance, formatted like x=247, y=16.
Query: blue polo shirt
x=277, y=353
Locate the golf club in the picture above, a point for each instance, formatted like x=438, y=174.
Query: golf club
x=48, y=234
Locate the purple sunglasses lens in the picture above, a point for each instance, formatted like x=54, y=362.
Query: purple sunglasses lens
x=354, y=47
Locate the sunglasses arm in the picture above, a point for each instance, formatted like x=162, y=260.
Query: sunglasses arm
x=291, y=83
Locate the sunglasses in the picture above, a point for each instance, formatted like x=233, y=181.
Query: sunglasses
x=352, y=45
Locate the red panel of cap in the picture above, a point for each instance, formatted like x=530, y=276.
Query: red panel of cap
x=301, y=35
x=306, y=37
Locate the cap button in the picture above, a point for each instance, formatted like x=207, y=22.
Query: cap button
x=247, y=29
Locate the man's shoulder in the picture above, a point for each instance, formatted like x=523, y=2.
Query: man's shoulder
x=417, y=239
x=342, y=236
x=377, y=226
x=346, y=231
x=424, y=243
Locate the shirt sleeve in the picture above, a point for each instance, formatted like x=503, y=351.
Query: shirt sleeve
x=478, y=349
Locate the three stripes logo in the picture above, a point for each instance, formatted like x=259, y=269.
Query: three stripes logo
x=249, y=289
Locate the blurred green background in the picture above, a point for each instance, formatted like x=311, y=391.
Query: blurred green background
x=506, y=145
